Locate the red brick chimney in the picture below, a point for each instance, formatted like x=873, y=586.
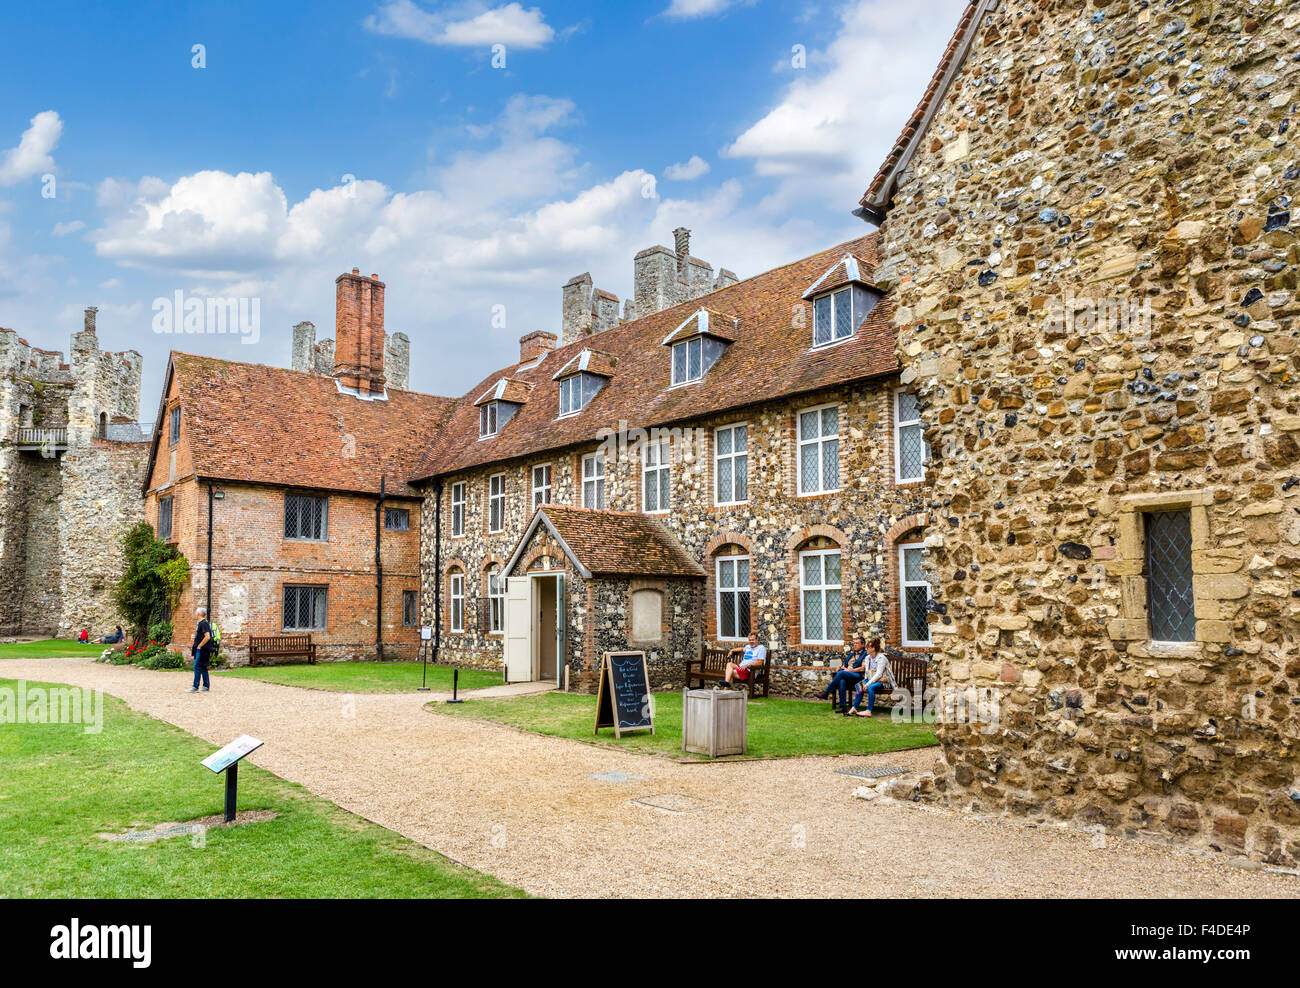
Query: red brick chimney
x=535, y=344
x=359, y=332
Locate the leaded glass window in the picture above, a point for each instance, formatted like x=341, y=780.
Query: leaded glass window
x=1170, y=600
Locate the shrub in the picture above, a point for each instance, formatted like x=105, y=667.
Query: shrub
x=152, y=580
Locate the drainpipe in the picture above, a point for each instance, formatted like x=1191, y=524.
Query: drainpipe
x=437, y=567
x=211, y=502
x=379, y=573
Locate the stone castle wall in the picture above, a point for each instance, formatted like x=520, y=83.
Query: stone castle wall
x=1095, y=256
x=62, y=513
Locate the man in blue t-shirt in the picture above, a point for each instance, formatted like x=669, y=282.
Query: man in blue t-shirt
x=753, y=654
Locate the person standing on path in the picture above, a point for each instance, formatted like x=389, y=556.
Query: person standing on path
x=202, y=650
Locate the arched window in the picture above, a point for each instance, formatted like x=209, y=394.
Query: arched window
x=496, y=594
x=913, y=591
x=731, y=579
x=821, y=605
x=456, y=600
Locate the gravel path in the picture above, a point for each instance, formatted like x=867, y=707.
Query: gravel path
x=525, y=808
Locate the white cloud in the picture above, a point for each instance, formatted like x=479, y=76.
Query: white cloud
x=469, y=25
x=685, y=171
x=63, y=229
x=835, y=122
x=32, y=155
x=684, y=10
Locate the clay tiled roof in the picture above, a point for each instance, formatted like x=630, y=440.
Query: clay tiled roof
x=771, y=358
x=250, y=422
x=613, y=543
x=876, y=198
x=588, y=360
x=506, y=389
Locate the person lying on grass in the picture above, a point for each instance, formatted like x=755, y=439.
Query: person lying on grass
x=848, y=676
x=752, y=655
x=880, y=676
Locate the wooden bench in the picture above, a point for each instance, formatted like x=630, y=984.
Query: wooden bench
x=264, y=646
x=911, y=673
x=712, y=663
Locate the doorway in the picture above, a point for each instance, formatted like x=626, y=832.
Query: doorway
x=535, y=636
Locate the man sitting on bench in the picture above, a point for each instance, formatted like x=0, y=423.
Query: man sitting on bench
x=752, y=655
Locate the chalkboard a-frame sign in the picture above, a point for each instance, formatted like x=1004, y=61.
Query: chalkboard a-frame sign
x=623, y=700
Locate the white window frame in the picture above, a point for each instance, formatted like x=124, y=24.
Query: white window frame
x=573, y=386
x=497, y=501
x=834, y=338
x=663, y=463
x=899, y=425
x=596, y=479
x=717, y=458
x=488, y=419
x=685, y=345
x=903, y=584
x=496, y=592
x=458, y=510
x=734, y=590
x=456, y=602
x=543, y=489
x=824, y=588
x=819, y=441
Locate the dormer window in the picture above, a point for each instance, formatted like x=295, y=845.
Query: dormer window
x=498, y=404
x=841, y=300
x=582, y=378
x=833, y=317
x=688, y=363
x=487, y=420
x=697, y=343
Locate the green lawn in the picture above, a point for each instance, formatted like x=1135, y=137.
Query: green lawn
x=52, y=648
x=364, y=677
x=60, y=787
x=777, y=728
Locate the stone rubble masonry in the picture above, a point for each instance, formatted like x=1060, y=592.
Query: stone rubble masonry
x=62, y=515
x=1093, y=159
x=661, y=278
x=866, y=519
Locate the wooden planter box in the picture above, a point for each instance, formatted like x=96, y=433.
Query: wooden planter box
x=714, y=721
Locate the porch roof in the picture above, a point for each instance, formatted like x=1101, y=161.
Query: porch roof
x=610, y=543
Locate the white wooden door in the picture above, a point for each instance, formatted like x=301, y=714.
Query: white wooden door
x=519, y=629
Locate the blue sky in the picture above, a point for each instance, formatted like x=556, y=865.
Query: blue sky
x=476, y=189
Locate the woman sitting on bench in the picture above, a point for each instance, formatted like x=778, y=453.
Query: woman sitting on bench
x=754, y=654
x=880, y=676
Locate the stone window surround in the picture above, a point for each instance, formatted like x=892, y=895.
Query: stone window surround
x=1129, y=566
x=415, y=611
x=665, y=618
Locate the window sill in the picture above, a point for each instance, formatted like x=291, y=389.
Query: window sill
x=812, y=494
x=917, y=482
x=833, y=343
x=731, y=504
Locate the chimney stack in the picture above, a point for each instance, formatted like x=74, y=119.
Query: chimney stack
x=535, y=345
x=91, y=310
x=682, y=244
x=359, y=332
